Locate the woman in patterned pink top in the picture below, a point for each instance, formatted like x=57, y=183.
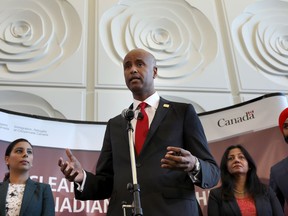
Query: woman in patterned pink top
x=241, y=193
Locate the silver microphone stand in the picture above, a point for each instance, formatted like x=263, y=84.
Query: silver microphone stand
x=135, y=187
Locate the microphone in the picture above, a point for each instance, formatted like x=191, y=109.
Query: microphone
x=128, y=114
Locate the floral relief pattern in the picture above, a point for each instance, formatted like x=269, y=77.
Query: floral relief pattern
x=260, y=34
x=25, y=102
x=36, y=35
x=179, y=35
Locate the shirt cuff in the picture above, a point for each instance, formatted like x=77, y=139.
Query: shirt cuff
x=80, y=187
x=195, y=172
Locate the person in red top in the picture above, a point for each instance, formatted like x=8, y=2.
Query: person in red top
x=241, y=193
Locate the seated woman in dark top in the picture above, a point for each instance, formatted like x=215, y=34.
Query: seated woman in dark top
x=19, y=195
x=241, y=192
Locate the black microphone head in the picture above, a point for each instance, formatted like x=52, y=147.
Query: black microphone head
x=140, y=116
x=128, y=114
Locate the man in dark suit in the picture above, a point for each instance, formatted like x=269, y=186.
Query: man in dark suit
x=279, y=171
x=175, y=155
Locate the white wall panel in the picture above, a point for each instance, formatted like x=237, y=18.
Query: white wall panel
x=202, y=102
x=122, y=99
x=184, y=37
x=43, y=42
x=107, y=108
x=49, y=102
x=246, y=97
x=259, y=33
x=206, y=50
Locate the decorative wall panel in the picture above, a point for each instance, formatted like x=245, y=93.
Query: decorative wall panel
x=212, y=53
x=43, y=41
x=183, y=36
x=246, y=97
x=202, y=102
x=54, y=103
x=260, y=41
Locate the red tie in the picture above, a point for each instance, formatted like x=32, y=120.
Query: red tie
x=142, y=127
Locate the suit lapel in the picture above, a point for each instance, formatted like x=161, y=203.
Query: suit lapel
x=234, y=207
x=28, y=194
x=281, y=176
x=161, y=112
x=3, y=194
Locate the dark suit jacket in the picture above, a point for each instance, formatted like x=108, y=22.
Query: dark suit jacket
x=279, y=179
x=163, y=192
x=37, y=199
x=266, y=205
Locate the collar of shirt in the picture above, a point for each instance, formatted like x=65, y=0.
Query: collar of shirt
x=152, y=101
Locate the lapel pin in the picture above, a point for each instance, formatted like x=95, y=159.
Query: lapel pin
x=166, y=105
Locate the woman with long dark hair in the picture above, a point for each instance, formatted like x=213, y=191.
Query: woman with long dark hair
x=241, y=193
